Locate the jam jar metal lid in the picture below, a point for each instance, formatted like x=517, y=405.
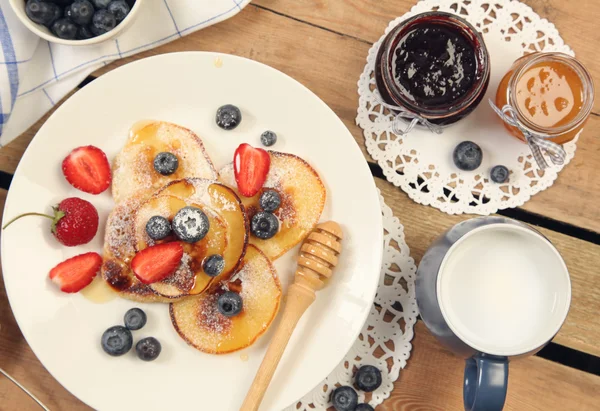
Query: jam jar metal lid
x=444, y=70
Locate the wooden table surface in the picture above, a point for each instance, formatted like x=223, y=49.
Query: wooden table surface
x=323, y=44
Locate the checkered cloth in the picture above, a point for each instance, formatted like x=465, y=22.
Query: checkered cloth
x=35, y=74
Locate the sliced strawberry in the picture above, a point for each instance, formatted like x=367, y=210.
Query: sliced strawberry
x=87, y=169
x=156, y=263
x=250, y=166
x=75, y=273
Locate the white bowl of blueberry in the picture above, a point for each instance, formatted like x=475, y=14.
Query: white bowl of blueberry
x=76, y=22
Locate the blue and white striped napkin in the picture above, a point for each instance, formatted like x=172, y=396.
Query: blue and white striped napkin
x=35, y=74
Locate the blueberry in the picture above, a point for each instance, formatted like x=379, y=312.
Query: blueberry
x=61, y=2
x=166, y=163
x=499, y=174
x=103, y=22
x=119, y=8
x=117, y=340
x=368, y=378
x=270, y=200
x=80, y=12
x=57, y=14
x=344, y=398
x=101, y=4
x=467, y=156
x=364, y=407
x=41, y=12
x=64, y=29
x=230, y=304
x=190, y=224
x=158, y=227
x=228, y=117
x=264, y=225
x=213, y=265
x=84, y=33
x=135, y=319
x=268, y=138
x=148, y=349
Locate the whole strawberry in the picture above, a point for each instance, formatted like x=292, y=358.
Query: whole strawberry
x=75, y=221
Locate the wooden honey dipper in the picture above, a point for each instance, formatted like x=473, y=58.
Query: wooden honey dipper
x=318, y=256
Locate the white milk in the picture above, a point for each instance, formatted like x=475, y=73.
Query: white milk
x=503, y=289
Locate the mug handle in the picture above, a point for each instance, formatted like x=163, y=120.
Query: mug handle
x=486, y=383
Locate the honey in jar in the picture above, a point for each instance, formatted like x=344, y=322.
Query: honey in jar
x=552, y=94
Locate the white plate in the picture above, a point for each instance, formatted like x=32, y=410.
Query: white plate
x=186, y=88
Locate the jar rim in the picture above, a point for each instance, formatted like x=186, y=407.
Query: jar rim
x=586, y=81
x=481, y=57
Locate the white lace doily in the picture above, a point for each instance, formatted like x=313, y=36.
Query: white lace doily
x=421, y=162
x=390, y=324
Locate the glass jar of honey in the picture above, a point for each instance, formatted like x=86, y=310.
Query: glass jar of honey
x=435, y=65
x=551, y=93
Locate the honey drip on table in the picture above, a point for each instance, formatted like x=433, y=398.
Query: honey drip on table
x=549, y=94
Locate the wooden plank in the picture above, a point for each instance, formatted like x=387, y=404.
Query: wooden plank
x=18, y=360
x=367, y=20
x=433, y=378
x=330, y=64
x=581, y=331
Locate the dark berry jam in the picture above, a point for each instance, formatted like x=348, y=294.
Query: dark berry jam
x=434, y=65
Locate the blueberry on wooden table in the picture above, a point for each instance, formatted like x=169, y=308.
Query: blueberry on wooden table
x=467, y=156
x=499, y=174
x=364, y=407
x=368, y=378
x=344, y=398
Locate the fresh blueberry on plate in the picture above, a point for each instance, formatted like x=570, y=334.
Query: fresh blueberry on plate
x=148, y=349
x=41, y=12
x=117, y=340
x=368, y=378
x=228, y=117
x=80, y=12
x=268, y=138
x=230, y=304
x=166, y=163
x=119, y=8
x=344, y=398
x=364, y=407
x=467, y=156
x=190, y=224
x=158, y=228
x=499, y=174
x=270, y=200
x=213, y=265
x=264, y=225
x=135, y=319
x=64, y=29
x=102, y=22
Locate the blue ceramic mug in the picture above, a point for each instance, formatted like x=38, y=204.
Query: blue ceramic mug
x=492, y=289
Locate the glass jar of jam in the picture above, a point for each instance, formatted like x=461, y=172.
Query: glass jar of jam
x=551, y=94
x=435, y=65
